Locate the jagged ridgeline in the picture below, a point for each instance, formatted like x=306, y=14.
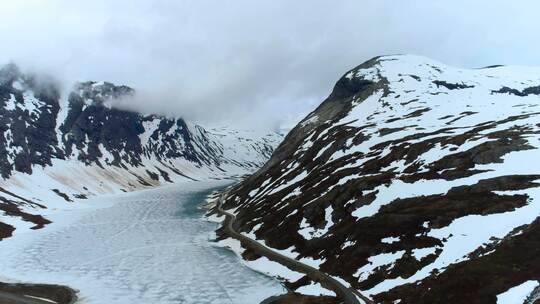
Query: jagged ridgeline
x=413, y=182
x=56, y=148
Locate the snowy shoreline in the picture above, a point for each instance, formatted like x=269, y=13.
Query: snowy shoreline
x=134, y=226
x=262, y=265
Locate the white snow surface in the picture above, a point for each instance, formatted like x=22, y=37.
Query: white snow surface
x=517, y=294
x=315, y=289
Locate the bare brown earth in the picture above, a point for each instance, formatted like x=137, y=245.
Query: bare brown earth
x=12, y=207
x=18, y=294
x=296, y=298
x=5, y=230
x=514, y=261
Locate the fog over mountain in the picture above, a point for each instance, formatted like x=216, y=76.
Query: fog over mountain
x=223, y=63
x=269, y=151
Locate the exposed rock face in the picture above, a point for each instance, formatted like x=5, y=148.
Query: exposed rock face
x=90, y=124
x=27, y=122
x=50, y=293
x=412, y=181
x=63, y=148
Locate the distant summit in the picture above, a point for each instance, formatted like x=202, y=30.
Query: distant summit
x=57, y=149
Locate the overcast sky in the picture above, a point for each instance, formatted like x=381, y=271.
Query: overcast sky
x=253, y=62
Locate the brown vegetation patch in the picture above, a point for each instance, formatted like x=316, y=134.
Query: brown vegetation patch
x=62, y=195
x=58, y=294
x=296, y=298
x=479, y=280
x=11, y=209
x=6, y=230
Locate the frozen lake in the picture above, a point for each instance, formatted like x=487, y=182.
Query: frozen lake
x=143, y=247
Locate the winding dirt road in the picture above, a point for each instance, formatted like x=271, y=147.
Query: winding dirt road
x=348, y=295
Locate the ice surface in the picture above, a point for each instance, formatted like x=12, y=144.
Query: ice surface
x=143, y=247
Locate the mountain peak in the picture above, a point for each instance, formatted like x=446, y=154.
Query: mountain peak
x=9, y=73
x=92, y=92
x=385, y=184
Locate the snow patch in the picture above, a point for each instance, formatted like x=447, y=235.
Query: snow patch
x=517, y=294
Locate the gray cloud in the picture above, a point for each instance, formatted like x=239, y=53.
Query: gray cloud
x=253, y=62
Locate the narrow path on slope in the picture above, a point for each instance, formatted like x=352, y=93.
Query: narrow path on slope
x=348, y=295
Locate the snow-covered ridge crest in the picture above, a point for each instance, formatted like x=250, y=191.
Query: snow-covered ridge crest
x=410, y=181
x=56, y=149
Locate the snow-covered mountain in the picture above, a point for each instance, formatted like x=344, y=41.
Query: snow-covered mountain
x=413, y=182
x=56, y=149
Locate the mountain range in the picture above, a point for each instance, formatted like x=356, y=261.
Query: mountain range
x=57, y=148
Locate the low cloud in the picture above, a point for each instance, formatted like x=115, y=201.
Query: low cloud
x=246, y=63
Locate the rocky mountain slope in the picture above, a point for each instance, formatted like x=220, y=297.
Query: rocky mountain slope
x=56, y=149
x=413, y=182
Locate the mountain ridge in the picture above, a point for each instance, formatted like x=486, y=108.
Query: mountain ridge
x=59, y=148
x=382, y=185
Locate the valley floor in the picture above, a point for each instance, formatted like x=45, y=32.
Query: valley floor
x=143, y=247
